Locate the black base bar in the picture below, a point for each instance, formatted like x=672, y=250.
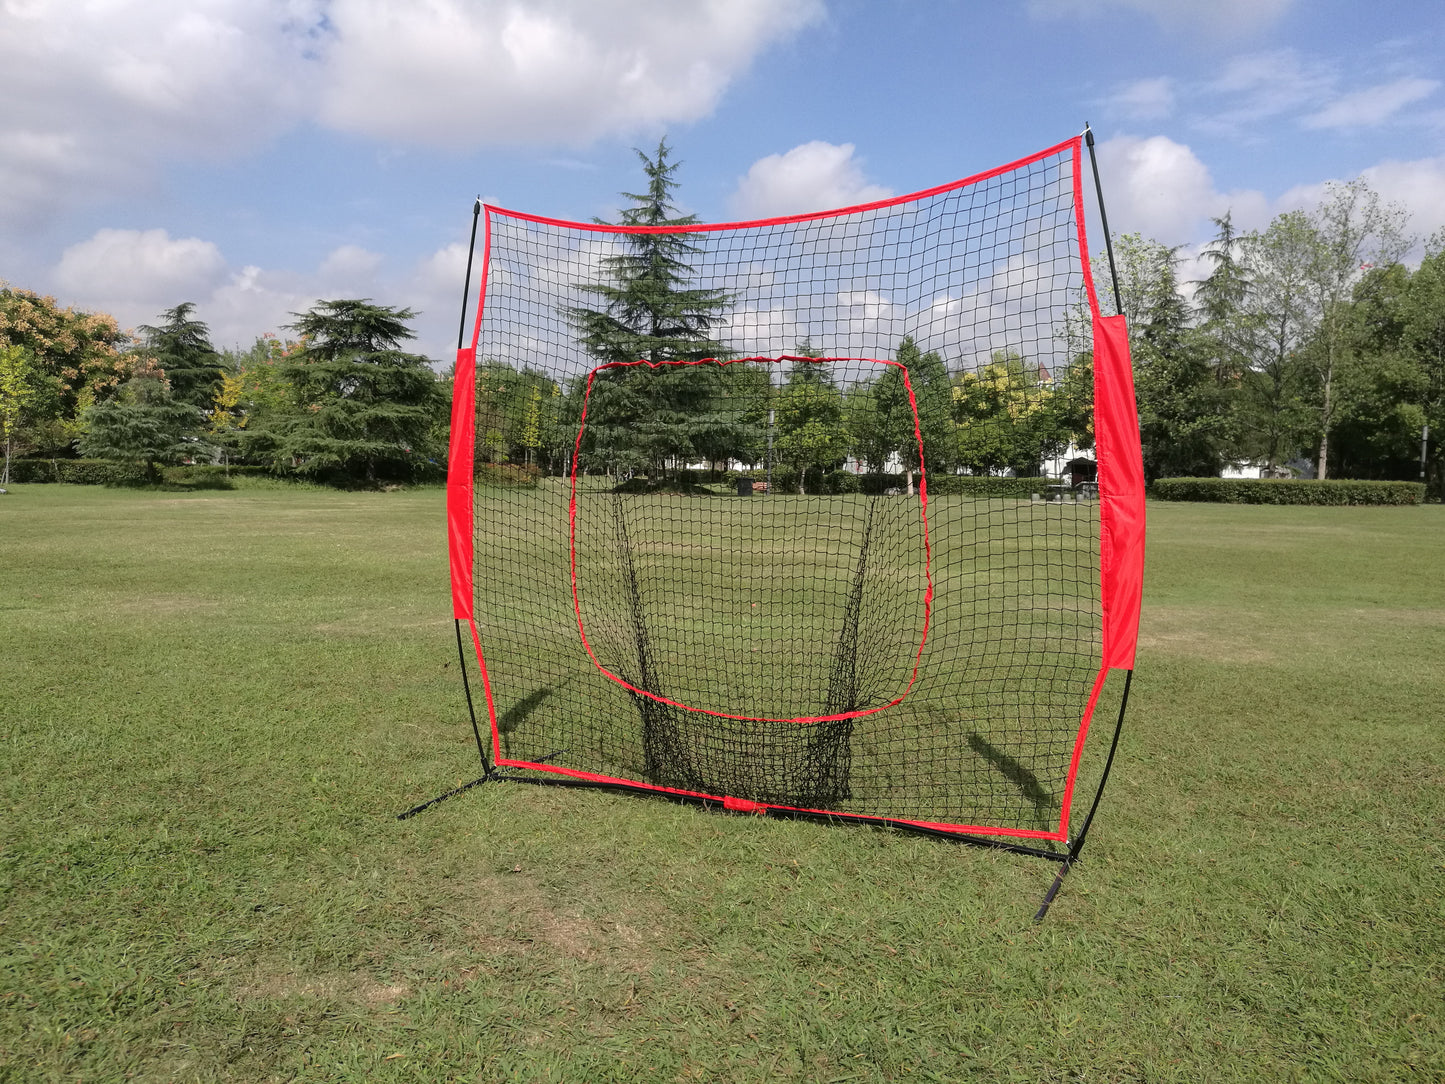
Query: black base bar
x=414, y=810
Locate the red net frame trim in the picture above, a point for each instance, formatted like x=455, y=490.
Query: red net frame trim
x=923, y=515
x=1121, y=493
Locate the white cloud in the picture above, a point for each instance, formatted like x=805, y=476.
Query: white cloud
x=111, y=90
x=1372, y=105
x=1156, y=187
x=1145, y=99
x=459, y=72
x=815, y=176
x=1221, y=18
x=126, y=269
x=350, y=265
x=114, y=90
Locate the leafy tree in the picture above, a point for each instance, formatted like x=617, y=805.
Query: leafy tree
x=810, y=430
x=510, y=409
x=144, y=424
x=360, y=408
x=76, y=358
x=1276, y=319
x=1422, y=342
x=648, y=419
x=1352, y=230
x=16, y=392
x=896, y=430
x=227, y=418
x=1006, y=416
x=183, y=348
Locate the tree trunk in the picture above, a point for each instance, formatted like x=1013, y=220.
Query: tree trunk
x=1322, y=466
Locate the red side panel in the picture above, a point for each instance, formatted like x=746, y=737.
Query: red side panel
x=1121, y=491
x=459, y=481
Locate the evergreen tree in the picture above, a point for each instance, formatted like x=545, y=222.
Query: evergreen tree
x=1183, y=412
x=1219, y=303
x=183, y=348
x=143, y=423
x=360, y=408
x=655, y=418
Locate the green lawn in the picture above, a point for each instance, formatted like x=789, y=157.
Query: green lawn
x=214, y=704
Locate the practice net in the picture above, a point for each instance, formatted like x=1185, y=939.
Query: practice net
x=837, y=512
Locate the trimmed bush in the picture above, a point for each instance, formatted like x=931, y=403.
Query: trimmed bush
x=513, y=475
x=81, y=472
x=1287, y=491
x=974, y=485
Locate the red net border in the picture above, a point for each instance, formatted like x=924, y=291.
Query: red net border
x=1120, y=480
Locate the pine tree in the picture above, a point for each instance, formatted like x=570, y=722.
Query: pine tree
x=183, y=348
x=143, y=423
x=361, y=408
x=651, y=419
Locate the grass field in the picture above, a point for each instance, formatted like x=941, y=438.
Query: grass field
x=214, y=704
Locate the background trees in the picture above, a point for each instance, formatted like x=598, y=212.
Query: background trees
x=656, y=419
x=143, y=423
x=358, y=407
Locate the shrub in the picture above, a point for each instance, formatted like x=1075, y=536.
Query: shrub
x=514, y=475
x=978, y=485
x=1287, y=491
x=83, y=472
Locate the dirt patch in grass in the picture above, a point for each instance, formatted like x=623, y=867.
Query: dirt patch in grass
x=1205, y=634
x=516, y=915
x=356, y=988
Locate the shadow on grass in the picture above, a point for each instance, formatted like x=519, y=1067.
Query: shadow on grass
x=1027, y=783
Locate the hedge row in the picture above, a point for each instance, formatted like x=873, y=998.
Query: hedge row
x=106, y=472
x=1287, y=491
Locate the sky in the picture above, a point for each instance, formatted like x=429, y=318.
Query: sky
x=254, y=156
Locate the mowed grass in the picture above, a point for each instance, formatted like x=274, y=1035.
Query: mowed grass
x=213, y=706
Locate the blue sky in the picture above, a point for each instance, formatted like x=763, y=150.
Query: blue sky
x=252, y=156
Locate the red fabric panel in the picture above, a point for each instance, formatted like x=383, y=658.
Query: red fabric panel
x=1121, y=491
x=460, y=483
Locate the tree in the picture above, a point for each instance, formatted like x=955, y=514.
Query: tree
x=1353, y=231
x=650, y=419
x=1276, y=319
x=1219, y=303
x=810, y=430
x=143, y=424
x=16, y=392
x=1183, y=411
x=360, y=408
x=897, y=429
x=183, y=348
x=1006, y=417
x=1422, y=342
x=75, y=359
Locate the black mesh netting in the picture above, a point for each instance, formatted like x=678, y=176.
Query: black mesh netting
x=704, y=557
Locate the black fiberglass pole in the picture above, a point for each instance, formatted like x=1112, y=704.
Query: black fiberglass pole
x=461, y=338
x=1103, y=216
